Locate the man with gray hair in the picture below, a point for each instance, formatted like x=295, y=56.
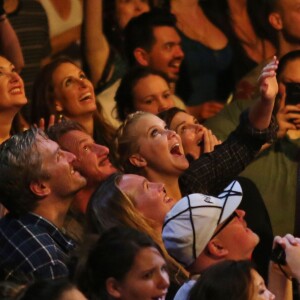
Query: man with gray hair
x=37, y=186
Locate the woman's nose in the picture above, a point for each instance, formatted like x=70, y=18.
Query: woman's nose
x=163, y=280
x=163, y=105
x=81, y=81
x=170, y=133
x=199, y=127
x=14, y=76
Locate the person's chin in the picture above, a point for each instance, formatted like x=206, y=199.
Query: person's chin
x=173, y=77
x=83, y=182
x=255, y=238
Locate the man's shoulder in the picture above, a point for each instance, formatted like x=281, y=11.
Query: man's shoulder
x=30, y=244
x=26, y=231
x=32, y=232
x=183, y=292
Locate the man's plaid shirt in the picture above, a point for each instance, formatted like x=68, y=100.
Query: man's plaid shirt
x=33, y=247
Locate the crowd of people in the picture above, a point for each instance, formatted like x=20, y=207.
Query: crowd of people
x=149, y=149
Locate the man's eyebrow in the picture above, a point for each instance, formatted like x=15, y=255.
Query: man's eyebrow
x=82, y=141
x=86, y=140
x=170, y=43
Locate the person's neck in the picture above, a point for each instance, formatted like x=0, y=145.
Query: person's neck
x=54, y=210
x=82, y=199
x=285, y=46
x=170, y=182
x=184, y=6
x=203, y=262
x=237, y=8
x=6, y=119
x=157, y=227
x=173, y=190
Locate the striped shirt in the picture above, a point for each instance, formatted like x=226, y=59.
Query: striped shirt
x=30, y=23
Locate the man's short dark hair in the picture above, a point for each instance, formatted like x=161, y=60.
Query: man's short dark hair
x=270, y=5
x=59, y=129
x=20, y=164
x=139, y=31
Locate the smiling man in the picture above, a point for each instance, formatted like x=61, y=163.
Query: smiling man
x=92, y=160
x=151, y=40
x=38, y=182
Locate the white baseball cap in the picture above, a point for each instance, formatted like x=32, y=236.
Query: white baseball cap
x=192, y=221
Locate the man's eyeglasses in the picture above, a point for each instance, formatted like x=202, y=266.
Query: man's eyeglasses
x=226, y=222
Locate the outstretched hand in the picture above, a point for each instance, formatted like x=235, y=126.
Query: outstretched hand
x=268, y=85
x=260, y=113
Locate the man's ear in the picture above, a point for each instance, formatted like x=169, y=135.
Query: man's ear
x=40, y=188
x=112, y=287
x=137, y=160
x=216, y=248
x=275, y=20
x=141, y=57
